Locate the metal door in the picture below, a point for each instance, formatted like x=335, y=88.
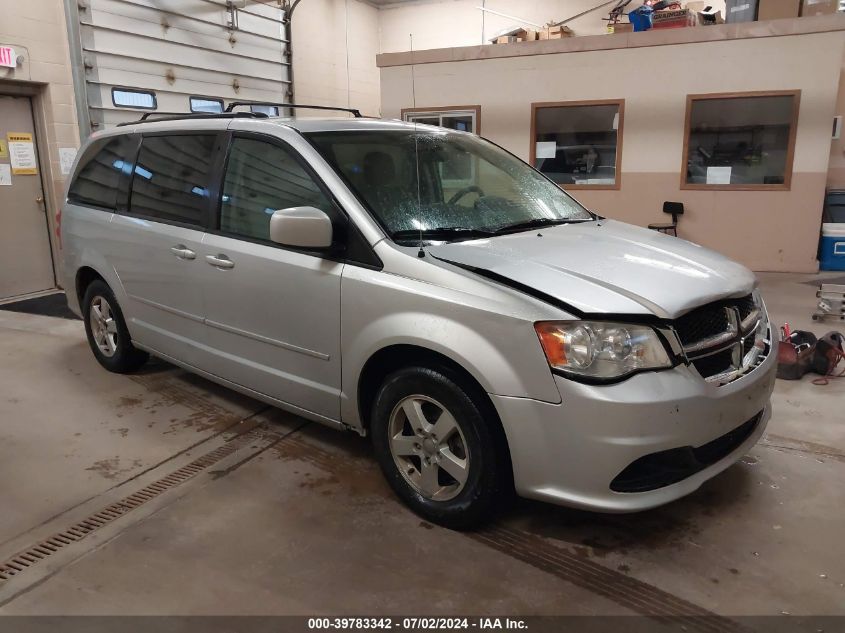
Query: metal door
x=26, y=264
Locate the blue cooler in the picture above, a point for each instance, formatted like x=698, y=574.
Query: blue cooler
x=832, y=247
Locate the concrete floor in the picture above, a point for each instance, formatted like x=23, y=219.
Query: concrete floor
x=296, y=519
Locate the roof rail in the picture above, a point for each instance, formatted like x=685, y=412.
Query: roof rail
x=178, y=116
x=234, y=104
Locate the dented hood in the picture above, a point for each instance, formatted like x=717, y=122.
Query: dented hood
x=606, y=267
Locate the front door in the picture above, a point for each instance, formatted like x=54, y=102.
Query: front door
x=272, y=313
x=26, y=264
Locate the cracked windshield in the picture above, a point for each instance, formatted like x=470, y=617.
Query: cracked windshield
x=444, y=186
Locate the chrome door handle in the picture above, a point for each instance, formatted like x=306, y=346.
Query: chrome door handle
x=183, y=252
x=220, y=261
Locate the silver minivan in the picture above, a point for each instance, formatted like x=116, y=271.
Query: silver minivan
x=426, y=288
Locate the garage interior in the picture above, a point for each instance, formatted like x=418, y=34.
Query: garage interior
x=163, y=493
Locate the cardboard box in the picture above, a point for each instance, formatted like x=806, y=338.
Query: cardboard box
x=558, y=32
x=708, y=16
x=671, y=19
x=777, y=9
x=623, y=27
x=819, y=7
x=506, y=39
x=526, y=35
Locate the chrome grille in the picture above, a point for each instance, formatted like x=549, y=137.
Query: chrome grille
x=719, y=338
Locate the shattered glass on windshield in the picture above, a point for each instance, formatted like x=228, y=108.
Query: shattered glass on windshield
x=445, y=185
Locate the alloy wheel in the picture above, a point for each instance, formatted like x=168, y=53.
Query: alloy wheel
x=103, y=326
x=428, y=447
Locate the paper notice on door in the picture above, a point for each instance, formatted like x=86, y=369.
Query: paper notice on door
x=66, y=157
x=22, y=154
x=718, y=175
x=546, y=149
x=5, y=175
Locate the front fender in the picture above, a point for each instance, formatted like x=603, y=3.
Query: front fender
x=501, y=351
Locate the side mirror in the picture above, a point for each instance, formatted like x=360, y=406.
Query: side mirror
x=305, y=227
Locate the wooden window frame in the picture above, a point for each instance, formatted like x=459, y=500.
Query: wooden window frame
x=532, y=152
x=442, y=109
x=790, y=150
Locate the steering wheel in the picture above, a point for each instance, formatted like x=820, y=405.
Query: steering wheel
x=462, y=192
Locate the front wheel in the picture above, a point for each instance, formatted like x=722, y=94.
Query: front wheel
x=107, y=333
x=434, y=440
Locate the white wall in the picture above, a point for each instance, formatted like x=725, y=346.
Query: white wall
x=320, y=30
x=449, y=23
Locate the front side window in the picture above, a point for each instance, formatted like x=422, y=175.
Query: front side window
x=171, y=178
x=577, y=144
x=743, y=141
x=98, y=176
x=399, y=175
x=262, y=178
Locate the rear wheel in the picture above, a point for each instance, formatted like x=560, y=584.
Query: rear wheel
x=106, y=329
x=434, y=440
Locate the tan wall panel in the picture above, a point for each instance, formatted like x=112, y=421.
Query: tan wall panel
x=836, y=171
x=750, y=227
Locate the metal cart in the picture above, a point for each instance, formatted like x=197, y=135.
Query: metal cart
x=831, y=303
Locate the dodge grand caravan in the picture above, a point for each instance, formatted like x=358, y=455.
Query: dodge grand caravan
x=426, y=288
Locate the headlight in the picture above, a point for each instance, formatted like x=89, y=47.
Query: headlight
x=601, y=351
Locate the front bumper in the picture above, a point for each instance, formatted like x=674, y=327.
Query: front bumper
x=569, y=453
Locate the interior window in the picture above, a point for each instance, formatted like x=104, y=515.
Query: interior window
x=262, y=178
x=740, y=141
x=171, y=178
x=577, y=144
x=98, y=176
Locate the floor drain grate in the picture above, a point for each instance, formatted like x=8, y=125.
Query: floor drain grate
x=22, y=561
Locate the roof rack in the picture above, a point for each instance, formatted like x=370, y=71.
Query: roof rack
x=354, y=111
x=177, y=116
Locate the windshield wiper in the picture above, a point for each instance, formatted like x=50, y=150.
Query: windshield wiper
x=536, y=223
x=441, y=232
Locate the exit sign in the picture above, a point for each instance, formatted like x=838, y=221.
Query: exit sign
x=8, y=58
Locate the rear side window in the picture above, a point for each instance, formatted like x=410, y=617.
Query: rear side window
x=260, y=179
x=172, y=177
x=98, y=174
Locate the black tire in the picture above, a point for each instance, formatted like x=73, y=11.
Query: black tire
x=486, y=485
x=126, y=357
